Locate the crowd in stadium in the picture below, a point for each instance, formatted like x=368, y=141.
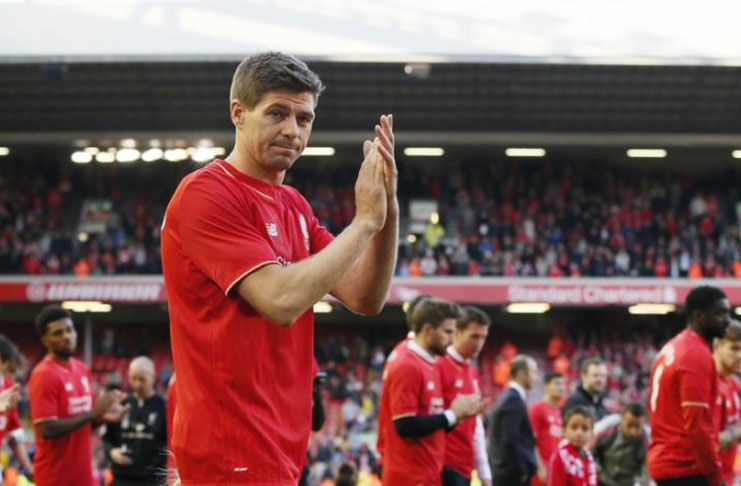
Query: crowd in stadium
x=561, y=221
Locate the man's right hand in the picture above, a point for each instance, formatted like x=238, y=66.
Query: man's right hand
x=120, y=457
x=465, y=406
x=370, y=191
x=107, y=401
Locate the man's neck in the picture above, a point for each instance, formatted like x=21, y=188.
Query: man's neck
x=696, y=328
x=460, y=353
x=244, y=164
x=58, y=358
x=552, y=401
x=144, y=396
x=420, y=341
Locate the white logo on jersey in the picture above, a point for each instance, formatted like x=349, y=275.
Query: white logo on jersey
x=152, y=418
x=86, y=384
x=305, y=231
x=430, y=385
x=272, y=229
x=459, y=383
x=68, y=387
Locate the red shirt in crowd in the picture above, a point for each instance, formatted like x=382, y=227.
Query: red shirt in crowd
x=545, y=421
x=729, y=415
x=411, y=387
x=9, y=421
x=59, y=390
x=571, y=467
x=244, y=384
x=458, y=377
x=684, y=391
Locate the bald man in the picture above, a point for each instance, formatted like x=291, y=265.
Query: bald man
x=137, y=447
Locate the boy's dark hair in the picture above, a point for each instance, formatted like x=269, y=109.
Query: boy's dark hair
x=347, y=475
x=577, y=410
x=9, y=352
x=272, y=71
x=48, y=314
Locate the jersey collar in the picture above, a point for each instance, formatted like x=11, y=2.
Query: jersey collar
x=420, y=351
x=456, y=355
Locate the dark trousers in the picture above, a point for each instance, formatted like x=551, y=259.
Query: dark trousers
x=451, y=477
x=684, y=481
x=507, y=481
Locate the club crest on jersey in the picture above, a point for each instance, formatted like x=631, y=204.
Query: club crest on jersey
x=459, y=383
x=430, y=385
x=305, y=231
x=272, y=229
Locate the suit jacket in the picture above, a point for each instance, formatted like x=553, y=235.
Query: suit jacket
x=511, y=440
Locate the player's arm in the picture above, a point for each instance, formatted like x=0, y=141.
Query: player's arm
x=696, y=399
x=17, y=445
x=283, y=294
x=51, y=428
x=365, y=287
x=556, y=472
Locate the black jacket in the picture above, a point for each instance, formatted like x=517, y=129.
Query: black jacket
x=582, y=398
x=143, y=432
x=511, y=441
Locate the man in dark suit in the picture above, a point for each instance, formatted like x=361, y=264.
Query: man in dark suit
x=511, y=440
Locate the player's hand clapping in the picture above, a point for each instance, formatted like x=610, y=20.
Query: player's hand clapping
x=9, y=398
x=376, y=183
x=465, y=406
x=109, y=406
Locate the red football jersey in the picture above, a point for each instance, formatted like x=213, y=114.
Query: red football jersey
x=729, y=413
x=411, y=386
x=243, y=383
x=545, y=421
x=9, y=421
x=684, y=390
x=458, y=378
x=59, y=390
x=383, y=417
x=570, y=467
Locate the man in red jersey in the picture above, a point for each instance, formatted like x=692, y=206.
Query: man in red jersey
x=545, y=419
x=412, y=400
x=244, y=260
x=62, y=409
x=684, y=390
x=465, y=445
x=727, y=356
x=382, y=420
x=10, y=424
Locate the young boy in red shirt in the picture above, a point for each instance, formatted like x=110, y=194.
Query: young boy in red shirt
x=572, y=464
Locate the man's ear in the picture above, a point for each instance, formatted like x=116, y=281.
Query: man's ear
x=236, y=112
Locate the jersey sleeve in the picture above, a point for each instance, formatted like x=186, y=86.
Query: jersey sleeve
x=14, y=421
x=697, y=401
x=44, y=396
x=220, y=235
x=405, y=387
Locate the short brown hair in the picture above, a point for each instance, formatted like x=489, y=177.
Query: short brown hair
x=413, y=305
x=271, y=71
x=591, y=362
x=472, y=314
x=519, y=363
x=433, y=311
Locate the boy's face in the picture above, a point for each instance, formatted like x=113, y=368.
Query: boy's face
x=578, y=431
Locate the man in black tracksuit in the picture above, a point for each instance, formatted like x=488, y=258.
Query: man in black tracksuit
x=137, y=447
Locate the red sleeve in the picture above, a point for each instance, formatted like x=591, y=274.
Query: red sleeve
x=697, y=395
x=405, y=387
x=14, y=421
x=319, y=237
x=556, y=474
x=44, y=392
x=220, y=235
